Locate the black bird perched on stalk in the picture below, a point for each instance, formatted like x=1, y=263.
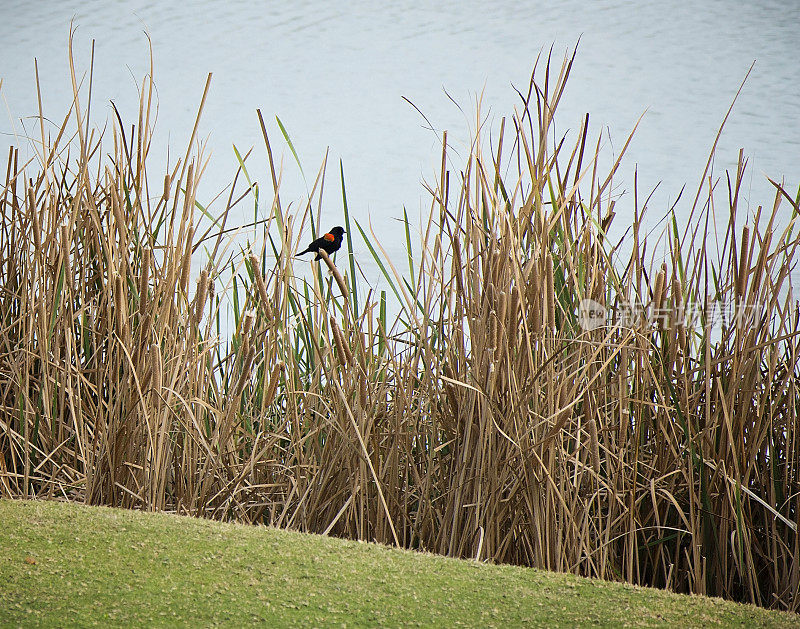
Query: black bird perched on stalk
x=330, y=242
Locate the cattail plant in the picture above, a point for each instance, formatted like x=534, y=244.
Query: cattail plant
x=485, y=420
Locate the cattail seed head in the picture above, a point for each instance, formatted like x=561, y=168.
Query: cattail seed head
x=157, y=367
x=248, y=353
x=502, y=306
x=167, y=186
x=513, y=308
x=261, y=286
x=247, y=325
x=744, y=264
x=186, y=263
x=144, y=278
x=200, y=295
x=493, y=330
x=344, y=353
x=120, y=307
x=533, y=296
x=658, y=294
x=272, y=387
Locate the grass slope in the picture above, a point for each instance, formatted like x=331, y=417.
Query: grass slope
x=64, y=564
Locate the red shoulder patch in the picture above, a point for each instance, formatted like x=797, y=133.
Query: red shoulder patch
x=329, y=237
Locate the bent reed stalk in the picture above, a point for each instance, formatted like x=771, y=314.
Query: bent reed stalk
x=486, y=421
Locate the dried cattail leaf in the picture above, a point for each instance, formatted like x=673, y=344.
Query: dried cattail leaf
x=551, y=294
x=761, y=266
x=120, y=305
x=119, y=218
x=65, y=253
x=37, y=228
x=186, y=263
x=144, y=330
x=362, y=392
x=591, y=427
x=450, y=389
x=42, y=318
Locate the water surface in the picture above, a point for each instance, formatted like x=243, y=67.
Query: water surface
x=337, y=76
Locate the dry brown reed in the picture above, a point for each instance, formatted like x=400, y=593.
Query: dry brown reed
x=484, y=422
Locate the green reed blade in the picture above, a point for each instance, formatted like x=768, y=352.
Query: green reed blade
x=291, y=148
x=409, y=249
x=354, y=300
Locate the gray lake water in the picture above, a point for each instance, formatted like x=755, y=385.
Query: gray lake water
x=336, y=75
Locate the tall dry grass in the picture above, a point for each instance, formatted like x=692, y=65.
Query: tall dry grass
x=486, y=420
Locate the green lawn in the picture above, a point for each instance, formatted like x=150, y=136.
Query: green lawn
x=66, y=565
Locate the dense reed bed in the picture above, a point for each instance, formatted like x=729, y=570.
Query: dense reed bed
x=544, y=397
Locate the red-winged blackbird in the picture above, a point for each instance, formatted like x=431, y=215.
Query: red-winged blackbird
x=330, y=242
